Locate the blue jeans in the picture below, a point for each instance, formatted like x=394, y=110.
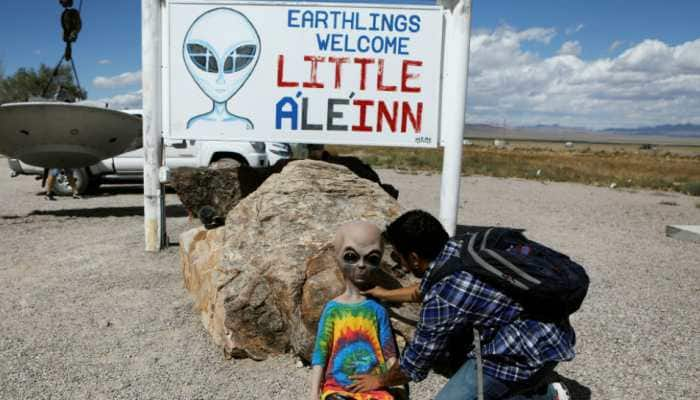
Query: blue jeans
x=462, y=386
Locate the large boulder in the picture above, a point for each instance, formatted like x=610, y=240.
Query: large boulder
x=260, y=282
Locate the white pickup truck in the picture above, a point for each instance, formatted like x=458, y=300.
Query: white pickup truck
x=128, y=167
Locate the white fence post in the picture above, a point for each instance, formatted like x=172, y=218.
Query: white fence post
x=152, y=142
x=455, y=71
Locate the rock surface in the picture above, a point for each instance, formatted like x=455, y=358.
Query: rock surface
x=210, y=193
x=261, y=281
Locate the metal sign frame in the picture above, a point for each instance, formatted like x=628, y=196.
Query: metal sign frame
x=288, y=94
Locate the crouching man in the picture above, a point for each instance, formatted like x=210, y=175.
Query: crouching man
x=518, y=353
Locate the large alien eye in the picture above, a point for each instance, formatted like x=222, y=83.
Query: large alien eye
x=351, y=257
x=239, y=58
x=203, y=58
x=374, y=259
x=244, y=56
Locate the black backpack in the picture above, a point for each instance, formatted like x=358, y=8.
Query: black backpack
x=548, y=284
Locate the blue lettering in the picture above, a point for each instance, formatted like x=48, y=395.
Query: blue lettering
x=336, y=44
x=403, y=46
x=307, y=19
x=373, y=26
x=348, y=46
x=414, y=20
x=360, y=47
x=335, y=15
x=292, y=20
x=292, y=113
x=401, y=23
x=320, y=20
x=388, y=22
x=377, y=45
x=348, y=23
x=390, y=45
x=322, y=44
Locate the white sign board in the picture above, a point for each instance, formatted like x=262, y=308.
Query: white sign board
x=302, y=72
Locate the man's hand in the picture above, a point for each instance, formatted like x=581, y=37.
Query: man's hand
x=365, y=383
x=408, y=294
x=377, y=291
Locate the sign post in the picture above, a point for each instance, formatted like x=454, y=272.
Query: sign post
x=454, y=95
x=154, y=214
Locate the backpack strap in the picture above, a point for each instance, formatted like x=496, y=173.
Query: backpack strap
x=479, y=365
x=449, y=267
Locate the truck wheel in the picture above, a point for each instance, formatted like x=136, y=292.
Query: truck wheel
x=93, y=184
x=224, y=163
x=62, y=187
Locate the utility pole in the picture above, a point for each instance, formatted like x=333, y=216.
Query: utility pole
x=454, y=96
x=153, y=192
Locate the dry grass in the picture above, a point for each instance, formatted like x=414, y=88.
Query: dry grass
x=622, y=168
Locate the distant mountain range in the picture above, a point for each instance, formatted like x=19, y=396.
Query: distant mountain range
x=680, y=130
x=662, y=134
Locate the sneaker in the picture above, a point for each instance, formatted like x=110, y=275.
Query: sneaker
x=49, y=196
x=77, y=196
x=560, y=391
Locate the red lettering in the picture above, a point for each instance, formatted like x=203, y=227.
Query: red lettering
x=363, y=104
x=314, y=83
x=280, y=73
x=363, y=70
x=383, y=114
x=338, y=61
x=380, y=78
x=405, y=76
x=416, y=119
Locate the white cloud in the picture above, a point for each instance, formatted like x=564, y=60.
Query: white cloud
x=124, y=101
x=649, y=83
x=615, y=45
x=121, y=80
x=571, y=48
x=104, y=61
x=574, y=29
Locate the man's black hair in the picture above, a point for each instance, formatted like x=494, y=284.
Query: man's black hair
x=419, y=232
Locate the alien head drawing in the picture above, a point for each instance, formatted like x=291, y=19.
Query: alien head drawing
x=221, y=49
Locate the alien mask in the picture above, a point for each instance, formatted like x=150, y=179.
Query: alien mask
x=358, y=252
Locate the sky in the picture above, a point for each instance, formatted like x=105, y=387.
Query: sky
x=594, y=63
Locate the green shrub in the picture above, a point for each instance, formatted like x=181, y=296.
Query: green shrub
x=692, y=188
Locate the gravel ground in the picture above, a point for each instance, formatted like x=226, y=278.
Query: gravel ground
x=87, y=314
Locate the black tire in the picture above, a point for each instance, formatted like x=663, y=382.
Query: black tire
x=93, y=184
x=62, y=187
x=225, y=162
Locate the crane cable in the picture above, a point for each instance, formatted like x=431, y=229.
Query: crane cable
x=71, y=24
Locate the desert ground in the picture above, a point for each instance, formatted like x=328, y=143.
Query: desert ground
x=87, y=314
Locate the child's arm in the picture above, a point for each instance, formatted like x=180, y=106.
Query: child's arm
x=319, y=357
x=316, y=377
x=408, y=294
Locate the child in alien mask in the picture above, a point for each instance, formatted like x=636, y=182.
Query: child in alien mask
x=354, y=335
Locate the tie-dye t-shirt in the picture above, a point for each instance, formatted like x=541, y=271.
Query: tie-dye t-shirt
x=353, y=339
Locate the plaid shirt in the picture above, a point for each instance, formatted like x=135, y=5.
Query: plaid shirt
x=512, y=348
